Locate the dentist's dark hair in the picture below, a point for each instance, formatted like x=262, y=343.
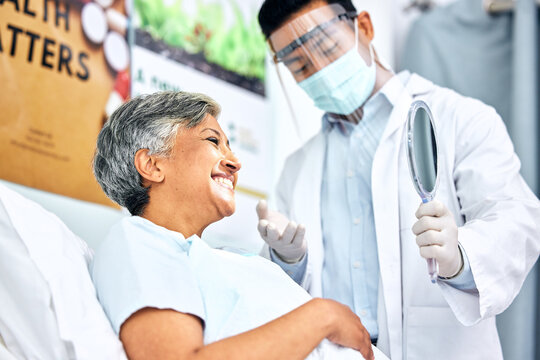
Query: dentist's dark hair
x=274, y=13
x=145, y=122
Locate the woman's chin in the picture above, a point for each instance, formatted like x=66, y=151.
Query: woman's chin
x=224, y=201
x=222, y=209
x=229, y=209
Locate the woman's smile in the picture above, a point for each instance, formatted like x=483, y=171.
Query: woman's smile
x=227, y=181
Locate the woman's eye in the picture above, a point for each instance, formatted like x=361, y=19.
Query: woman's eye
x=214, y=140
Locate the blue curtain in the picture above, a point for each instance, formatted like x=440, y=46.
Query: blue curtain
x=517, y=325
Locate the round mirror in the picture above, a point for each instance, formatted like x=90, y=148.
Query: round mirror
x=422, y=156
x=422, y=150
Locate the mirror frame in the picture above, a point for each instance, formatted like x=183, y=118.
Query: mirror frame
x=413, y=169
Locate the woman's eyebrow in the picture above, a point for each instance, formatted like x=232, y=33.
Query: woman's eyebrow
x=213, y=130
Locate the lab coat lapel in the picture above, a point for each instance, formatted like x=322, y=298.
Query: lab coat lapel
x=307, y=198
x=386, y=213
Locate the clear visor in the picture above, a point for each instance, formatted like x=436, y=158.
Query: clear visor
x=314, y=40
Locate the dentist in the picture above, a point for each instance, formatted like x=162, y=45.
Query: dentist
x=364, y=239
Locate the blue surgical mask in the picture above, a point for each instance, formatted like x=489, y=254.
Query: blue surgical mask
x=344, y=85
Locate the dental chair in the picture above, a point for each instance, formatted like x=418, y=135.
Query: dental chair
x=48, y=304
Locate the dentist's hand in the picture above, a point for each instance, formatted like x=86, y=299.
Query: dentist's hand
x=437, y=237
x=284, y=236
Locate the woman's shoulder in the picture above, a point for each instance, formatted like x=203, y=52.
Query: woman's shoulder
x=136, y=245
x=142, y=265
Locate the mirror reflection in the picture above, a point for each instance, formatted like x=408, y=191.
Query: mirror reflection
x=425, y=151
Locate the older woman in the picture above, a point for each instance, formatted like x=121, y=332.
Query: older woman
x=167, y=294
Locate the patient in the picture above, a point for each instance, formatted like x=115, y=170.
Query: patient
x=169, y=295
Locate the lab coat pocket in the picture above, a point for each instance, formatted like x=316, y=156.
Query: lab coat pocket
x=435, y=333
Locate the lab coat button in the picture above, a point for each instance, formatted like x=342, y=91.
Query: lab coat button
x=350, y=173
x=363, y=313
x=356, y=264
x=356, y=221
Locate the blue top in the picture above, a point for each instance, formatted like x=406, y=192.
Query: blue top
x=141, y=264
x=350, y=272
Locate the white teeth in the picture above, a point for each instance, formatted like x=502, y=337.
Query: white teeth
x=228, y=183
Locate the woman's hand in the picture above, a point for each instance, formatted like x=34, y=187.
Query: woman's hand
x=347, y=329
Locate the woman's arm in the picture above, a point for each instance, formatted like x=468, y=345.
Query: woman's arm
x=167, y=334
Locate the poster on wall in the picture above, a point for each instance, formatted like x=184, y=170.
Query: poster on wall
x=64, y=68
x=214, y=47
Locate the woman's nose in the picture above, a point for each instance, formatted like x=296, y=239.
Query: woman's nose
x=232, y=163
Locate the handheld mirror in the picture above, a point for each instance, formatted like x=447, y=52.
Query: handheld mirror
x=422, y=156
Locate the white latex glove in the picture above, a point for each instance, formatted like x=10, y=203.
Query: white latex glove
x=437, y=237
x=284, y=236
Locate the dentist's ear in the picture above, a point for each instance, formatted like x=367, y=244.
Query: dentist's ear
x=148, y=166
x=365, y=26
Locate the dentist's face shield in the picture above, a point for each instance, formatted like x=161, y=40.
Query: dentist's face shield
x=320, y=50
x=313, y=40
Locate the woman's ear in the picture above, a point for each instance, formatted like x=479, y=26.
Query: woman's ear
x=148, y=166
x=365, y=25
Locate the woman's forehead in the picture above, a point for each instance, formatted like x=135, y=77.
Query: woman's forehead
x=209, y=122
x=210, y=125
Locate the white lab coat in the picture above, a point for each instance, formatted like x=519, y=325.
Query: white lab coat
x=497, y=214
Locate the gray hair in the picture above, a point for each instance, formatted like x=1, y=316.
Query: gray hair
x=145, y=122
